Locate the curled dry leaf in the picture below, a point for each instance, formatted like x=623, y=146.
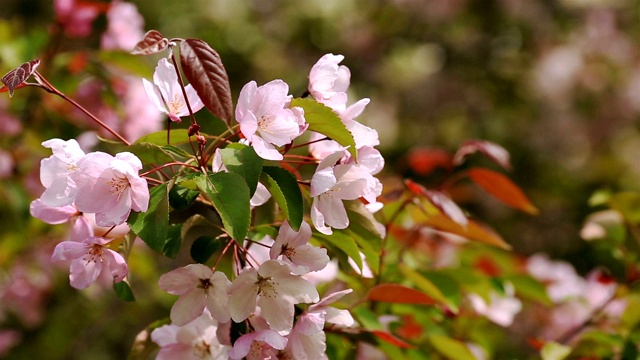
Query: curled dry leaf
x=152, y=43
x=493, y=151
x=16, y=77
x=203, y=68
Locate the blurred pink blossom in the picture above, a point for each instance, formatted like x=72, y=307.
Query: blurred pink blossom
x=125, y=27
x=76, y=17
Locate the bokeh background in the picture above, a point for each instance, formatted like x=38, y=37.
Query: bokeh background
x=556, y=83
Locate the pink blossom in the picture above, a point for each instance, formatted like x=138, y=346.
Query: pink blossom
x=89, y=258
x=199, y=288
x=110, y=187
x=265, y=118
x=331, y=184
x=307, y=338
x=294, y=248
x=141, y=118
x=501, y=308
x=329, y=81
x=81, y=225
x=125, y=27
x=8, y=339
x=258, y=345
x=274, y=289
x=7, y=164
x=195, y=340
x=56, y=170
x=166, y=94
x=75, y=16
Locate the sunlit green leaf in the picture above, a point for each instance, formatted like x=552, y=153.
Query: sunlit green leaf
x=284, y=188
x=229, y=194
x=451, y=348
x=153, y=226
x=244, y=161
x=343, y=242
x=554, y=351
x=323, y=120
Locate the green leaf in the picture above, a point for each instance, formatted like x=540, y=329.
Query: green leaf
x=203, y=248
x=427, y=286
x=362, y=222
x=177, y=153
x=368, y=247
x=150, y=153
x=173, y=242
x=284, y=188
x=343, y=242
x=229, y=194
x=181, y=197
x=628, y=204
x=178, y=136
x=244, y=161
x=528, y=287
x=448, y=286
x=323, y=120
x=554, y=351
x=153, y=226
x=123, y=291
x=451, y=348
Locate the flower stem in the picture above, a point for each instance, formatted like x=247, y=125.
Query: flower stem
x=52, y=89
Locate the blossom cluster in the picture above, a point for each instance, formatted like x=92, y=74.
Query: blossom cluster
x=273, y=291
x=87, y=190
x=265, y=295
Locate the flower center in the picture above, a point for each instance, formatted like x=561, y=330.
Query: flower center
x=176, y=104
x=201, y=349
x=287, y=251
x=118, y=185
x=94, y=254
x=267, y=287
x=205, y=284
x=264, y=123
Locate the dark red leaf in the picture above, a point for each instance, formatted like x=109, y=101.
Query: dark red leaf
x=399, y=294
x=203, y=68
x=14, y=78
x=391, y=339
x=502, y=189
x=493, y=151
x=152, y=43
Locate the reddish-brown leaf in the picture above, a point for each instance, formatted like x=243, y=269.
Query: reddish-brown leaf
x=203, y=68
x=502, y=189
x=440, y=201
x=152, y=43
x=493, y=151
x=16, y=77
x=391, y=339
x=473, y=231
x=399, y=294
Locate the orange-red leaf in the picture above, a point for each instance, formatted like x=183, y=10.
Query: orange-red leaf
x=391, y=339
x=399, y=294
x=423, y=161
x=473, y=231
x=502, y=189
